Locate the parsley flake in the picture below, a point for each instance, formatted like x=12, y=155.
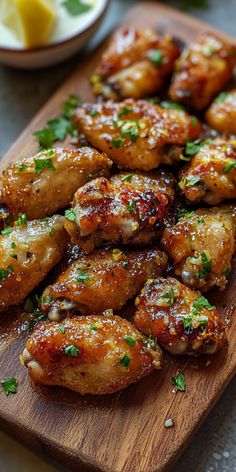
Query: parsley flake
x=22, y=219
x=125, y=361
x=229, y=166
x=9, y=385
x=83, y=276
x=117, y=142
x=171, y=105
x=206, y=267
x=70, y=215
x=179, y=381
x=41, y=164
x=72, y=351
x=156, y=56
x=130, y=341
x=6, y=231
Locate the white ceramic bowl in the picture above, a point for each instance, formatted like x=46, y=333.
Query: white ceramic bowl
x=54, y=53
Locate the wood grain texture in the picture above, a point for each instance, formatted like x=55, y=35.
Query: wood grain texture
x=123, y=432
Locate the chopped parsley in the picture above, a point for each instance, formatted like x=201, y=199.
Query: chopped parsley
x=22, y=219
x=59, y=128
x=117, y=142
x=206, y=267
x=171, y=105
x=169, y=297
x=189, y=181
x=70, y=215
x=3, y=274
x=193, y=147
x=41, y=164
x=131, y=132
x=179, y=381
x=125, y=361
x=209, y=50
x=9, y=385
x=156, y=56
x=130, y=341
x=52, y=231
x=21, y=168
x=76, y=7
x=94, y=112
x=62, y=329
x=229, y=166
x=70, y=105
x=195, y=314
x=185, y=213
x=6, y=231
x=126, y=178
x=83, y=276
x=93, y=327
x=72, y=351
x=125, y=111
x=131, y=207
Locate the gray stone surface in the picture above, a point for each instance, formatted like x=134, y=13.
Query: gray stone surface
x=213, y=448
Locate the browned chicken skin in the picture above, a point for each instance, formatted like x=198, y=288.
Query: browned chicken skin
x=27, y=253
x=136, y=134
x=41, y=185
x=201, y=246
x=211, y=174
x=117, y=212
x=135, y=64
x=180, y=319
x=89, y=354
x=202, y=71
x=222, y=113
x=101, y=280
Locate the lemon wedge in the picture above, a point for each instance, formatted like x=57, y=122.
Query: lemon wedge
x=31, y=20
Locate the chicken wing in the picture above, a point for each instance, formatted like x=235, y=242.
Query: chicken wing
x=180, y=319
x=117, y=212
x=222, y=113
x=202, y=71
x=41, y=185
x=135, y=64
x=137, y=134
x=211, y=174
x=89, y=354
x=90, y=283
x=201, y=246
x=28, y=250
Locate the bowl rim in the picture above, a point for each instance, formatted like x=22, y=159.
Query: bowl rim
x=58, y=44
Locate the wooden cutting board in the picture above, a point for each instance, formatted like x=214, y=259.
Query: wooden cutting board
x=123, y=432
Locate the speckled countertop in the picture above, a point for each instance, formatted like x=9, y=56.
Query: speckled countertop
x=213, y=448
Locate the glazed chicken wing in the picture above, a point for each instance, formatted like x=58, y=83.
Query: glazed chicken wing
x=135, y=65
x=137, y=134
x=201, y=246
x=89, y=354
x=117, y=212
x=222, y=113
x=202, y=71
x=180, y=319
x=27, y=252
x=211, y=174
x=41, y=185
x=101, y=280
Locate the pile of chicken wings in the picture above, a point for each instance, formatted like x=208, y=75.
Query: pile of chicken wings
x=146, y=208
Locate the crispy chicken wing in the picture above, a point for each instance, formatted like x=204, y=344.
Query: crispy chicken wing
x=202, y=71
x=180, y=319
x=27, y=253
x=89, y=354
x=201, y=246
x=135, y=64
x=222, y=113
x=101, y=280
x=136, y=134
x=117, y=212
x=211, y=174
x=40, y=185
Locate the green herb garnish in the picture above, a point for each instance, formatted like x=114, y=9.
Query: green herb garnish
x=229, y=166
x=179, y=381
x=206, y=267
x=130, y=341
x=22, y=219
x=6, y=231
x=72, y=351
x=125, y=360
x=171, y=105
x=156, y=56
x=70, y=215
x=9, y=385
x=41, y=164
x=117, y=142
x=83, y=276
x=76, y=7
